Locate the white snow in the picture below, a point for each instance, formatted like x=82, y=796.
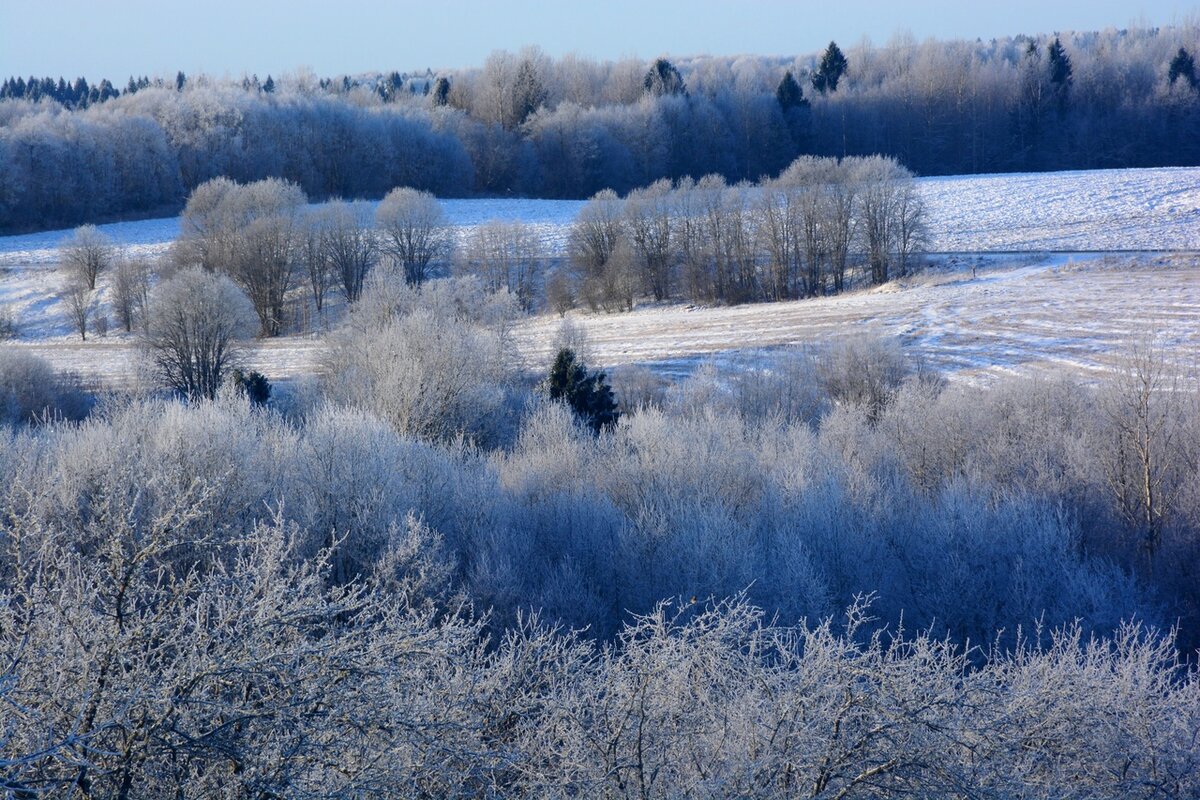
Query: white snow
x=1022, y=313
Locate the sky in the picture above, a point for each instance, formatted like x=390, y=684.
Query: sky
x=334, y=37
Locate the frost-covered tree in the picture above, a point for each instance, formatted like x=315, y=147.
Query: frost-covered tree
x=414, y=231
x=197, y=322
x=80, y=302
x=663, y=78
x=86, y=253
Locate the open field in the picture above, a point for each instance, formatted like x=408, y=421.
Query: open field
x=1048, y=310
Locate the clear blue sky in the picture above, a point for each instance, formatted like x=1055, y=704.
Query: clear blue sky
x=114, y=39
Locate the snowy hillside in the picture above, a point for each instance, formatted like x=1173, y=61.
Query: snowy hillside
x=1021, y=313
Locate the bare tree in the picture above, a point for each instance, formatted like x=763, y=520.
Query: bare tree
x=505, y=255
x=1144, y=411
x=350, y=246
x=131, y=289
x=265, y=267
x=414, y=230
x=87, y=252
x=593, y=238
x=197, y=320
x=79, y=300
x=648, y=219
x=310, y=246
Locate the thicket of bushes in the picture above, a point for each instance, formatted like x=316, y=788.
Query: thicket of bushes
x=421, y=576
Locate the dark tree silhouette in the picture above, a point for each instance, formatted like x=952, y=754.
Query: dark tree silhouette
x=832, y=68
x=1182, y=66
x=587, y=393
x=663, y=79
x=789, y=94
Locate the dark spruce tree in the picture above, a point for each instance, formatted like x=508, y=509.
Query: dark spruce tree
x=1182, y=66
x=253, y=385
x=1060, y=64
x=663, y=78
x=587, y=393
x=269, y=86
x=789, y=94
x=831, y=69
x=441, y=91
x=180, y=81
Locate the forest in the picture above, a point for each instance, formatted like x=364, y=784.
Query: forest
x=525, y=124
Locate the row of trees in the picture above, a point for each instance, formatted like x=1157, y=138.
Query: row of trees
x=803, y=234
x=270, y=243
x=799, y=235
x=527, y=124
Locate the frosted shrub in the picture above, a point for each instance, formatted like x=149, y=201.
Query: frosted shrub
x=30, y=391
x=862, y=370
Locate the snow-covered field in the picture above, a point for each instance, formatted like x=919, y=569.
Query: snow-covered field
x=1023, y=313
x=1128, y=209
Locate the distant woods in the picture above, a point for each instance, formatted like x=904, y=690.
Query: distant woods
x=526, y=124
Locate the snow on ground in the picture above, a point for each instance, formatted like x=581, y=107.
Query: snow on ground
x=1036, y=312
x=1020, y=315
x=1127, y=209
x=1023, y=315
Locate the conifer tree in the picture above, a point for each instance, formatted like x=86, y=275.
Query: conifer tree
x=789, y=94
x=1060, y=64
x=1182, y=66
x=832, y=68
x=663, y=78
x=441, y=91
x=587, y=393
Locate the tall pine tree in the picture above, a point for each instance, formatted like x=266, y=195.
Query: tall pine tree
x=830, y=71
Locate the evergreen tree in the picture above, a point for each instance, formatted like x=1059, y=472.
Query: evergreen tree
x=832, y=68
x=1060, y=64
x=663, y=78
x=441, y=91
x=1182, y=66
x=131, y=87
x=253, y=385
x=529, y=94
x=587, y=393
x=269, y=86
x=789, y=94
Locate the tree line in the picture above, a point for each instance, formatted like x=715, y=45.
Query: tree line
x=803, y=234
x=530, y=125
x=810, y=232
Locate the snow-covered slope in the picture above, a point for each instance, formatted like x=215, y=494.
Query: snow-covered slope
x=1128, y=209
x=1021, y=313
